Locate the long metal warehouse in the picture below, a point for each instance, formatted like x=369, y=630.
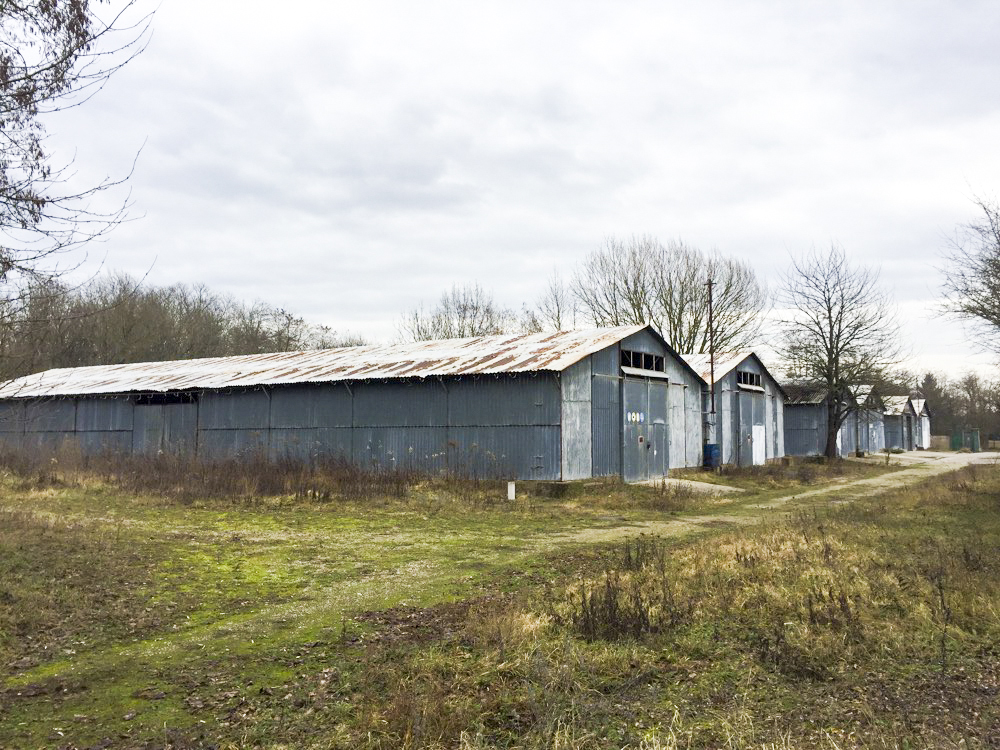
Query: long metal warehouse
x=565, y=405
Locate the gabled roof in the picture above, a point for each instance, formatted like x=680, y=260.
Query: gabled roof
x=920, y=406
x=803, y=393
x=483, y=355
x=896, y=405
x=725, y=363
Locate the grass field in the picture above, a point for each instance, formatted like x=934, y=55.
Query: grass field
x=443, y=615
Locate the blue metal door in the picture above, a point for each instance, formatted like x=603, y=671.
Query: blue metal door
x=646, y=435
x=659, y=431
x=635, y=403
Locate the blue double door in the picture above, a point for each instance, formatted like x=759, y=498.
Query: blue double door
x=646, y=432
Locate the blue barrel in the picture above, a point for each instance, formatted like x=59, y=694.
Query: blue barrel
x=713, y=456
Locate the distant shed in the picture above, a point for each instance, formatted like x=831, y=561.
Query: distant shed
x=805, y=419
x=863, y=430
x=749, y=406
x=900, y=423
x=565, y=405
x=922, y=431
x=807, y=414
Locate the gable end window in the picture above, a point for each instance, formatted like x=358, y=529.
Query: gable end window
x=642, y=360
x=744, y=377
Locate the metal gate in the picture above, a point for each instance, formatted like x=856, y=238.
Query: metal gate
x=646, y=431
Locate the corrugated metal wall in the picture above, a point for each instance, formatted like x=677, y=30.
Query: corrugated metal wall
x=894, y=432
x=480, y=426
x=685, y=432
x=805, y=429
x=606, y=413
x=577, y=431
x=738, y=410
x=899, y=432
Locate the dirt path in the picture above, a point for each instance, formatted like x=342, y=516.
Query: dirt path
x=921, y=466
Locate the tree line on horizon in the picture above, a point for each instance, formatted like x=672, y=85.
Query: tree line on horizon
x=837, y=327
x=117, y=319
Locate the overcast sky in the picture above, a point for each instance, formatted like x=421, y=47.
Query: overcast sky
x=350, y=160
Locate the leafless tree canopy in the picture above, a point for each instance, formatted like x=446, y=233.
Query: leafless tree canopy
x=116, y=319
x=639, y=280
x=53, y=55
x=461, y=312
x=839, y=329
x=555, y=310
x=972, y=274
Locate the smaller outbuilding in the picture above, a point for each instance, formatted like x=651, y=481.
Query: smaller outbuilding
x=749, y=424
x=863, y=430
x=807, y=413
x=923, y=432
x=900, y=423
x=805, y=419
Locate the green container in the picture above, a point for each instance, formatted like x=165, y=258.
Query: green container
x=956, y=440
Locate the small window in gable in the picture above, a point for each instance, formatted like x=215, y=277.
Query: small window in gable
x=642, y=360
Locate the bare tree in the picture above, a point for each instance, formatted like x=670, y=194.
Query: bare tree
x=639, y=280
x=972, y=274
x=557, y=307
x=461, y=312
x=53, y=55
x=839, y=330
x=614, y=286
x=116, y=319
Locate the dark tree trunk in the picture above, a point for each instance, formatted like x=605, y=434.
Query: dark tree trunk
x=832, y=428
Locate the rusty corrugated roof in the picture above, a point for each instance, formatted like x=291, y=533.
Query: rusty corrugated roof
x=896, y=405
x=484, y=355
x=724, y=363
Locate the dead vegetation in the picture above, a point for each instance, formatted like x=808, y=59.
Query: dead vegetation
x=871, y=624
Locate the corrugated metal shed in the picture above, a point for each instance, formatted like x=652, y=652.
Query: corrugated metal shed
x=484, y=355
x=749, y=420
x=725, y=364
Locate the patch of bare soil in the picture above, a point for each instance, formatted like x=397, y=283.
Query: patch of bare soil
x=962, y=701
x=411, y=625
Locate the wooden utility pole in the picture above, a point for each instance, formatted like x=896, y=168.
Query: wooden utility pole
x=711, y=346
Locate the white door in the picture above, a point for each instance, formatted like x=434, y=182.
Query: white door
x=759, y=445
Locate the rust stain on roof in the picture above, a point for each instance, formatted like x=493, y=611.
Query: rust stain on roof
x=481, y=355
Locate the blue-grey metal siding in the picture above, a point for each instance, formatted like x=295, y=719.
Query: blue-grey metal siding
x=11, y=417
x=57, y=415
x=516, y=425
x=312, y=444
x=503, y=401
x=805, y=429
x=515, y=451
x=104, y=414
x=424, y=448
x=606, y=425
x=105, y=441
x=235, y=410
x=306, y=406
x=421, y=404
